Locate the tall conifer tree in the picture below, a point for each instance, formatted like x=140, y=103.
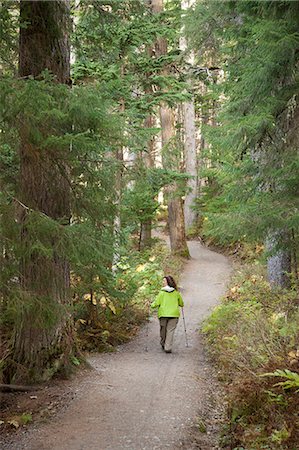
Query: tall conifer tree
x=176, y=222
x=189, y=134
x=44, y=189
x=253, y=175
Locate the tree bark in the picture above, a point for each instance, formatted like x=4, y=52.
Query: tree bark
x=119, y=182
x=176, y=221
x=279, y=262
x=44, y=188
x=146, y=227
x=118, y=194
x=294, y=257
x=190, y=163
x=189, y=138
x=279, y=243
x=44, y=40
x=146, y=235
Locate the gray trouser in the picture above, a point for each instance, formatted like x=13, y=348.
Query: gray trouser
x=167, y=327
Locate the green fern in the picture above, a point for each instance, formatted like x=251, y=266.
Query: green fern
x=292, y=378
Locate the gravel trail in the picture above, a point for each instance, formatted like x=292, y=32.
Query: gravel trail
x=144, y=400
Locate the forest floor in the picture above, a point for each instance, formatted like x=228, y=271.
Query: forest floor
x=139, y=397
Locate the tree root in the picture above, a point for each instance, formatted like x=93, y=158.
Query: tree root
x=16, y=387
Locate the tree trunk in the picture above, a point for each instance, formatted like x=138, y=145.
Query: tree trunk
x=279, y=261
x=44, y=41
x=146, y=235
x=176, y=221
x=190, y=163
x=294, y=257
x=44, y=335
x=119, y=184
x=148, y=157
x=189, y=138
x=118, y=199
x=278, y=242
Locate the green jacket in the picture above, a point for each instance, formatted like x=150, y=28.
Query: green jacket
x=168, y=301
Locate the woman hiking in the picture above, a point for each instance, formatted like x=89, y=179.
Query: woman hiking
x=168, y=301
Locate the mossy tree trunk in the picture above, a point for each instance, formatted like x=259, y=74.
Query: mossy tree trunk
x=44, y=337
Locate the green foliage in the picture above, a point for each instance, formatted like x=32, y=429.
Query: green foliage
x=200, y=423
x=115, y=46
x=292, y=378
x=106, y=319
x=252, y=175
x=80, y=132
x=140, y=200
x=123, y=35
x=253, y=335
x=26, y=418
x=9, y=38
x=142, y=272
x=75, y=129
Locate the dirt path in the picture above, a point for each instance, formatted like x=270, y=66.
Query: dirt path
x=142, y=400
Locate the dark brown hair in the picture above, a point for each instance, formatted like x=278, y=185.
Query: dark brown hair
x=171, y=282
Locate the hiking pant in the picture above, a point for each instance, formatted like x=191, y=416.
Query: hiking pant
x=167, y=327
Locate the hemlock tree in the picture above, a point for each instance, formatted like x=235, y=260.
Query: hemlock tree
x=170, y=156
x=254, y=155
x=66, y=138
x=44, y=189
x=123, y=35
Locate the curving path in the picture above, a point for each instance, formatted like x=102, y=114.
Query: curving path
x=142, y=400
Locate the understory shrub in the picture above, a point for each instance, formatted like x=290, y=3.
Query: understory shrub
x=254, y=337
x=104, y=319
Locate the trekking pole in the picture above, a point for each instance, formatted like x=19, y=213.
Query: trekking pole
x=185, y=327
x=147, y=326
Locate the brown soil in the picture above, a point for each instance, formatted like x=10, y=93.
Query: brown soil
x=139, y=397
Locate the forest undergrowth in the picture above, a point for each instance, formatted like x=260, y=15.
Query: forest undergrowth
x=102, y=323
x=254, y=339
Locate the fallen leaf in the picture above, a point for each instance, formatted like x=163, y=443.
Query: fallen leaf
x=111, y=306
x=14, y=423
x=103, y=301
